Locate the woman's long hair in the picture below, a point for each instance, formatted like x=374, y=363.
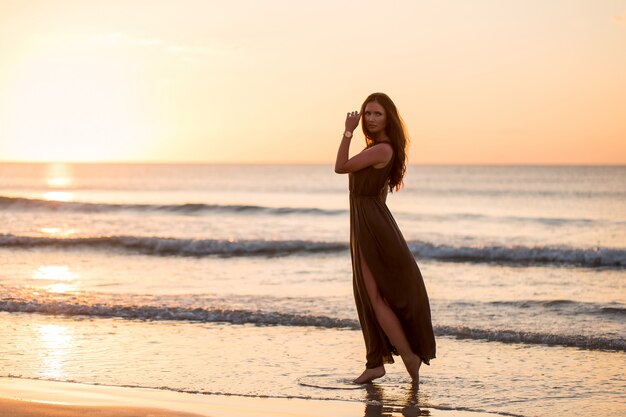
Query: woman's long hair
x=397, y=135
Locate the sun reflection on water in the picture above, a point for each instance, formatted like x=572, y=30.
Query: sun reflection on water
x=58, y=196
x=57, y=273
x=55, y=343
x=57, y=231
x=61, y=288
x=59, y=176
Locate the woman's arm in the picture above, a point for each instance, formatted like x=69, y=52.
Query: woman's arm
x=378, y=154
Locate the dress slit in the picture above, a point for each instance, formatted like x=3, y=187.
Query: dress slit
x=364, y=266
x=377, y=244
x=378, y=347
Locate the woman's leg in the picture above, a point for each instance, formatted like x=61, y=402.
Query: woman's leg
x=390, y=323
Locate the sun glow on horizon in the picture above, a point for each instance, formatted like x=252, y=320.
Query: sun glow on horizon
x=64, y=106
x=476, y=82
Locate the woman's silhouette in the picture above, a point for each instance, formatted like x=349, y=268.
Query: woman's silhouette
x=389, y=291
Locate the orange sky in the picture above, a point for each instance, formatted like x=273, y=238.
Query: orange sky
x=528, y=81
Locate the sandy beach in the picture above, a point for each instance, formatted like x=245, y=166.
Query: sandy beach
x=32, y=398
x=21, y=398
x=28, y=409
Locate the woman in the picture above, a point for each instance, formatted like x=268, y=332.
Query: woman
x=389, y=291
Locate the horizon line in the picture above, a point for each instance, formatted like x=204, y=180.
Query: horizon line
x=520, y=164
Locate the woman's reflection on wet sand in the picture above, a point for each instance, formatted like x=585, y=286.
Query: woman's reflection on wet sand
x=375, y=403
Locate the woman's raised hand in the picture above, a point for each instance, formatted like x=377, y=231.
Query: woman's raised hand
x=352, y=120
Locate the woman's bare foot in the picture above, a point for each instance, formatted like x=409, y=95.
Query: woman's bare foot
x=412, y=364
x=370, y=374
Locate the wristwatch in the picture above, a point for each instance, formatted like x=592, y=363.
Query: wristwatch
x=347, y=134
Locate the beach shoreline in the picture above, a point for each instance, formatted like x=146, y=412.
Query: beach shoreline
x=29, y=398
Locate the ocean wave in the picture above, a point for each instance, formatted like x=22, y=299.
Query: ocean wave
x=614, y=310
x=158, y=313
x=558, y=255
x=544, y=221
x=271, y=318
x=617, y=311
x=533, y=338
x=177, y=247
x=162, y=246
x=518, y=192
x=20, y=203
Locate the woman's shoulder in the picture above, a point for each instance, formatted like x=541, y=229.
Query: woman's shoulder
x=385, y=149
x=386, y=152
x=382, y=147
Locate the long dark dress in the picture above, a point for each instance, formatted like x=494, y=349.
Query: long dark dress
x=375, y=236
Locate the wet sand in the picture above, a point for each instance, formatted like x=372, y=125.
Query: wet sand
x=34, y=398
x=15, y=408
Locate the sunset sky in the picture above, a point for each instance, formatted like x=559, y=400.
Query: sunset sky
x=477, y=81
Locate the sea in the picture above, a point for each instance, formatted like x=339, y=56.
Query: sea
x=236, y=279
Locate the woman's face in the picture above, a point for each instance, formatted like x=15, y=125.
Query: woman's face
x=374, y=118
